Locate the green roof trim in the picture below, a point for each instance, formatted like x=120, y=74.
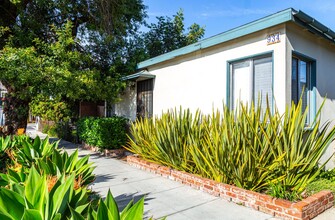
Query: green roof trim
x=281, y=17
x=313, y=25
x=142, y=75
x=263, y=23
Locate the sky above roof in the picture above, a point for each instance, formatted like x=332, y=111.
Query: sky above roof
x=218, y=16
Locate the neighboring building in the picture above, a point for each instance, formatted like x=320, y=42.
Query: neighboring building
x=3, y=90
x=278, y=55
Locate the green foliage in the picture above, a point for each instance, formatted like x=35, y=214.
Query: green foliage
x=47, y=69
x=324, y=181
x=37, y=199
x=50, y=110
x=250, y=148
x=327, y=174
x=168, y=34
x=47, y=159
x=4, y=146
x=278, y=190
x=109, y=133
x=27, y=152
x=319, y=185
x=53, y=185
x=62, y=163
x=108, y=209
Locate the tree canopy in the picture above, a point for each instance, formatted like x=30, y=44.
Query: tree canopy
x=63, y=49
x=169, y=34
x=74, y=50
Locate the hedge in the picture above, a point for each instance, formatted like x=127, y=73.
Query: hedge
x=105, y=133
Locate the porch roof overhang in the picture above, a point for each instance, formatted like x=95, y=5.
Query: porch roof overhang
x=288, y=15
x=140, y=76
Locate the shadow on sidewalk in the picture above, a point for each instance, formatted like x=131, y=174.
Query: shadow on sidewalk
x=99, y=178
x=123, y=199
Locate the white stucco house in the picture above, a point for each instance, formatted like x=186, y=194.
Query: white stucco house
x=278, y=55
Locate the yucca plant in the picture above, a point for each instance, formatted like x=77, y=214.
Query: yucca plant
x=250, y=147
x=233, y=150
x=301, y=147
x=165, y=140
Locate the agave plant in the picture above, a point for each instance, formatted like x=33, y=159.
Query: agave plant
x=27, y=151
x=108, y=209
x=5, y=144
x=36, y=199
x=60, y=163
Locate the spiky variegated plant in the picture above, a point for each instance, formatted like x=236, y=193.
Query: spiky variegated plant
x=250, y=147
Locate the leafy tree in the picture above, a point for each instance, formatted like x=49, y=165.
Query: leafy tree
x=49, y=69
x=40, y=56
x=169, y=34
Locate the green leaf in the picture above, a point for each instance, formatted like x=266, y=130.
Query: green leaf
x=135, y=212
x=75, y=215
x=11, y=203
x=112, y=206
x=91, y=215
x=36, y=190
x=63, y=191
x=30, y=214
x=4, y=216
x=103, y=212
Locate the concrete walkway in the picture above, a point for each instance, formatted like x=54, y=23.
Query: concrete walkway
x=163, y=197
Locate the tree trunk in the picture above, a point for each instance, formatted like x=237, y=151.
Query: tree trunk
x=16, y=114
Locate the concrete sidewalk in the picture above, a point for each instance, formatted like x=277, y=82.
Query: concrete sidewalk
x=163, y=197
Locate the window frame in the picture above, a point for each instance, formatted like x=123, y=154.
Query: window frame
x=311, y=82
x=229, y=83
x=148, y=89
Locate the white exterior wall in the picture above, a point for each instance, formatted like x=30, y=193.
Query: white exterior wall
x=127, y=106
x=199, y=80
x=323, y=52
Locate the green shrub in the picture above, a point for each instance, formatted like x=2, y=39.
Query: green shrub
x=50, y=109
x=319, y=185
x=249, y=148
x=106, y=133
x=46, y=129
x=324, y=181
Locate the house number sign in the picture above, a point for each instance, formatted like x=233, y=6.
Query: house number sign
x=273, y=38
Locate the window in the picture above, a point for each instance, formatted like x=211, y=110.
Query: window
x=303, y=83
x=251, y=81
x=145, y=98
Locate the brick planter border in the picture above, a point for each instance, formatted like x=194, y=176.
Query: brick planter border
x=106, y=152
x=305, y=209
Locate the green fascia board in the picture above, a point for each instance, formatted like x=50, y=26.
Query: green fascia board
x=143, y=74
x=263, y=23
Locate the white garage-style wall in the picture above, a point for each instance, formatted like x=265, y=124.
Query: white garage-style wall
x=126, y=107
x=199, y=80
x=198, y=76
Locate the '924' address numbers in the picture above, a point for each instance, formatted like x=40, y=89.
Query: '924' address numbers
x=273, y=38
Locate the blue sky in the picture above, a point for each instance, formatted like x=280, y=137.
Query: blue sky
x=221, y=15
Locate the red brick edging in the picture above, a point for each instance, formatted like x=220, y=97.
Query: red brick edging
x=305, y=209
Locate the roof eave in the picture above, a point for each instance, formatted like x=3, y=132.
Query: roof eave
x=263, y=23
